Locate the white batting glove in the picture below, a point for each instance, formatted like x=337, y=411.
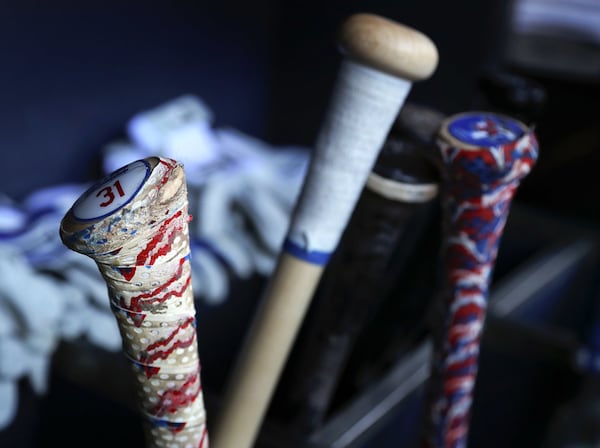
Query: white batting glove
x=241, y=190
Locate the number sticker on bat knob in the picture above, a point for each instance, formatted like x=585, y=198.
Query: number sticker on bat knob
x=111, y=193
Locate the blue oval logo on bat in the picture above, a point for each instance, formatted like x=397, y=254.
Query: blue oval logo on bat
x=481, y=129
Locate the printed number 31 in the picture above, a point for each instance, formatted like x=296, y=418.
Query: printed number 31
x=109, y=195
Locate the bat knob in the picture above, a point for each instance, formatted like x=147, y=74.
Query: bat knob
x=388, y=46
x=486, y=150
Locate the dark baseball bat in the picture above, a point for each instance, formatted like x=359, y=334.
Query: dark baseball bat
x=362, y=271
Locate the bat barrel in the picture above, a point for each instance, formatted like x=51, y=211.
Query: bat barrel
x=134, y=224
x=485, y=157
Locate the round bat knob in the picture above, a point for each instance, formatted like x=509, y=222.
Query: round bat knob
x=388, y=46
x=484, y=150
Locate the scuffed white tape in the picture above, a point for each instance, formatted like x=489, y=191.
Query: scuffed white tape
x=364, y=106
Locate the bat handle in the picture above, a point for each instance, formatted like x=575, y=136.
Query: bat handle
x=358, y=278
x=133, y=224
x=372, y=85
x=382, y=60
x=485, y=157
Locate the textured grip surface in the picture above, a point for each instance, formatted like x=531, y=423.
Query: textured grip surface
x=485, y=157
x=142, y=251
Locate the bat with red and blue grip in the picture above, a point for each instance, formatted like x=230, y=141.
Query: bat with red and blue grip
x=134, y=224
x=485, y=157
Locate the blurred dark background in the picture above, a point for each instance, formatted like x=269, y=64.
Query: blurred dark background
x=72, y=73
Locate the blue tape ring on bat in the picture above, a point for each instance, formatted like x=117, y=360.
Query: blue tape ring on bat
x=313, y=257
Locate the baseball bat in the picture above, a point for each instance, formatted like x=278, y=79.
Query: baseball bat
x=383, y=59
x=134, y=224
x=361, y=272
x=485, y=157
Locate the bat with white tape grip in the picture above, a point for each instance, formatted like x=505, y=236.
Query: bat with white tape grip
x=383, y=58
x=366, y=263
x=485, y=157
x=134, y=225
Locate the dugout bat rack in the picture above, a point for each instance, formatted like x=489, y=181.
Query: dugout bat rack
x=388, y=398
x=557, y=274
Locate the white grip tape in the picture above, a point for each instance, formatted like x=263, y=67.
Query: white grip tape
x=364, y=106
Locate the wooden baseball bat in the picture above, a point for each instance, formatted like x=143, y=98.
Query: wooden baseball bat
x=485, y=157
x=134, y=225
x=363, y=268
x=383, y=59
